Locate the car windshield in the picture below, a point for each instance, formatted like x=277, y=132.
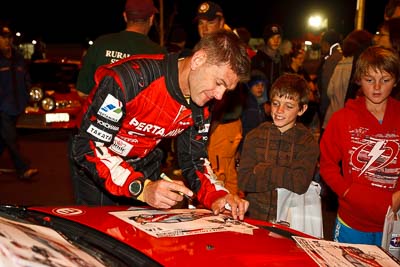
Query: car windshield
x=52, y=72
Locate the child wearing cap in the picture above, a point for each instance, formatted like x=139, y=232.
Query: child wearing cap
x=278, y=154
x=268, y=58
x=254, y=109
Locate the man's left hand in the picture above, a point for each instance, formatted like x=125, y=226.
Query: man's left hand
x=234, y=203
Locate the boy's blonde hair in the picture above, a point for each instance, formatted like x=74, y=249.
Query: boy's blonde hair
x=292, y=86
x=379, y=59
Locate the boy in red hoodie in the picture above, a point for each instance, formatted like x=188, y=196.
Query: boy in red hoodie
x=360, y=151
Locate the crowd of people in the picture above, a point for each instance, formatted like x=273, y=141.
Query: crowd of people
x=236, y=120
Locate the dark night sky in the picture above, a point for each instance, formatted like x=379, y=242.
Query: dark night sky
x=73, y=21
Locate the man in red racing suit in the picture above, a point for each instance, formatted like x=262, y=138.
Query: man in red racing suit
x=138, y=101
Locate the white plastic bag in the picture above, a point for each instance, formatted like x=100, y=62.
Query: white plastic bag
x=391, y=233
x=301, y=212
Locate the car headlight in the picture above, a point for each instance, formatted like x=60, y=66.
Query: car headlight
x=48, y=103
x=35, y=94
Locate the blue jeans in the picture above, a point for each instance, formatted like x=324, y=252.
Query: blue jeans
x=345, y=234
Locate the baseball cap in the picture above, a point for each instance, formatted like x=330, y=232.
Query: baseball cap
x=139, y=9
x=271, y=30
x=209, y=11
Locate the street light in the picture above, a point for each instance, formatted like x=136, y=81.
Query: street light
x=317, y=22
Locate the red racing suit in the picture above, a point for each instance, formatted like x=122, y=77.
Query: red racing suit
x=135, y=103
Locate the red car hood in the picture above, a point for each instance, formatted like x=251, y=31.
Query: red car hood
x=262, y=248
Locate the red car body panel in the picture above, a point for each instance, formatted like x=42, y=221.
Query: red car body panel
x=263, y=248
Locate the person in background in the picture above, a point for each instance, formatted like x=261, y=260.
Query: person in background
x=360, y=151
x=297, y=56
x=268, y=58
x=285, y=49
x=140, y=100
x=245, y=36
x=254, y=112
x=392, y=9
x=295, y=65
x=382, y=36
x=176, y=42
x=331, y=52
x=39, y=50
x=109, y=48
x=226, y=126
x=210, y=18
x=278, y=154
x=389, y=37
x=341, y=81
x=14, y=84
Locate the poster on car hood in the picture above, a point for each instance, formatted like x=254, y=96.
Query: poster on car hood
x=182, y=222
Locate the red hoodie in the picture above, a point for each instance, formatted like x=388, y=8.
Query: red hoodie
x=370, y=165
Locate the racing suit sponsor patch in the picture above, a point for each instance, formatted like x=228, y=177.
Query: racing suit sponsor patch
x=147, y=127
x=96, y=132
x=205, y=128
x=111, y=109
x=120, y=147
x=108, y=125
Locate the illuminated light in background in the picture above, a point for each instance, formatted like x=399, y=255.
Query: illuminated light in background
x=317, y=22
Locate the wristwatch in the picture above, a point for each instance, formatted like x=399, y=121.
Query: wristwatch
x=136, y=187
